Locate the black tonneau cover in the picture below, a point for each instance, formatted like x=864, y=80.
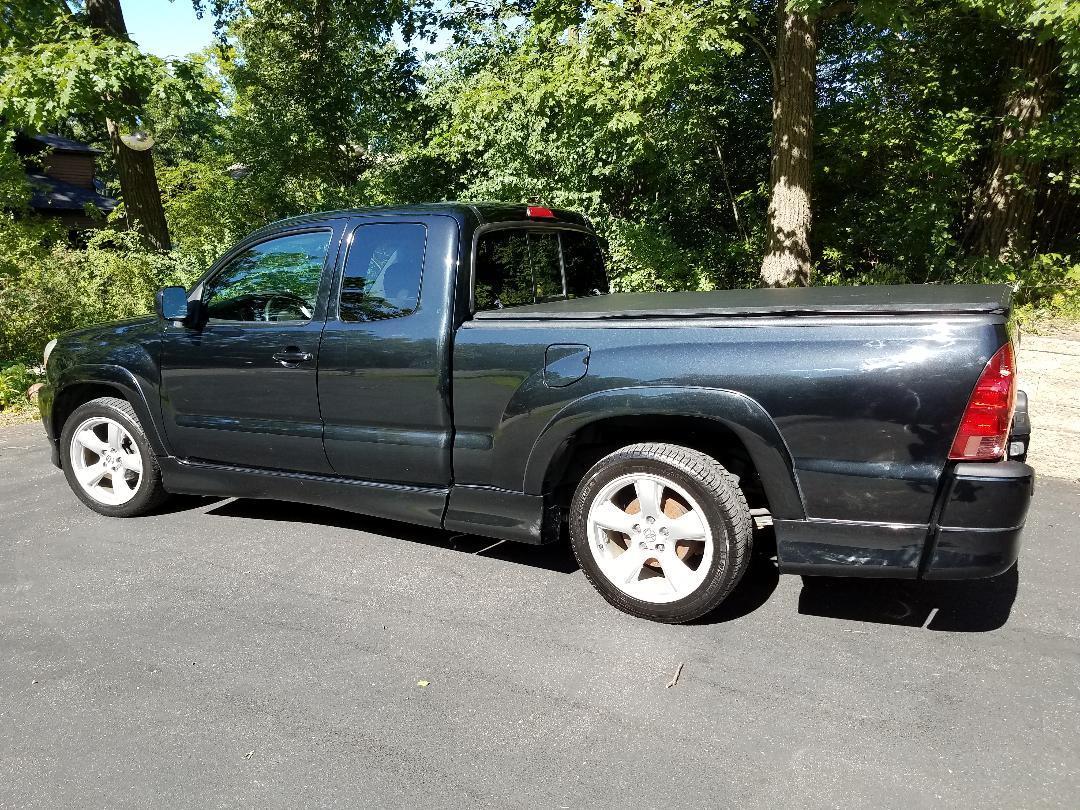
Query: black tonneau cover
x=864, y=300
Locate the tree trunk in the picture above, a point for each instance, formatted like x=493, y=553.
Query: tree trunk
x=138, y=182
x=1002, y=217
x=787, y=255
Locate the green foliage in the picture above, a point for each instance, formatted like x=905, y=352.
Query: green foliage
x=900, y=141
x=53, y=66
x=1050, y=282
x=47, y=286
x=15, y=380
x=631, y=114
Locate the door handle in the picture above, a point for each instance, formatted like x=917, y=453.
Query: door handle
x=291, y=357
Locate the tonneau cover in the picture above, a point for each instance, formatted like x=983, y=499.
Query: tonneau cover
x=863, y=300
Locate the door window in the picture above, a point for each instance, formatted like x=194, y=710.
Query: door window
x=276, y=280
x=382, y=271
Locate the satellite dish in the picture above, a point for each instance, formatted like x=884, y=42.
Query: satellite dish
x=139, y=140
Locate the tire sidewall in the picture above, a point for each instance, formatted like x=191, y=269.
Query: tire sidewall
x=717, y=580
x=147, y=480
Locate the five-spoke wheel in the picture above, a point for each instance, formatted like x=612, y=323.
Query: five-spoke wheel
x=650, y=537
x=662, y=531
x=108, y=461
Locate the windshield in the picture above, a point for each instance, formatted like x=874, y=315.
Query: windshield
x=516, y=266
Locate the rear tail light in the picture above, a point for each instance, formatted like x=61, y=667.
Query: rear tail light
x=539, y=212
x=984, y=430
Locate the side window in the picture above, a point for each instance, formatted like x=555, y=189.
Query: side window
x=276, y=280
x=382, y=271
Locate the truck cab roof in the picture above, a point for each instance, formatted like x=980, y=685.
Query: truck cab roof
x=474, y=214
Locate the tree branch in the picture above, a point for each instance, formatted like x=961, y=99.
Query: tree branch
x=764, y=50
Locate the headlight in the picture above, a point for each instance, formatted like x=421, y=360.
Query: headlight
x=48, y=349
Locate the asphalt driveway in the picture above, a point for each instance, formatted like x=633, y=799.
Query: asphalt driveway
x=242, y=653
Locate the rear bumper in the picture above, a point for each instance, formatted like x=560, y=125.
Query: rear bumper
x=975, y=532
x=982, y=514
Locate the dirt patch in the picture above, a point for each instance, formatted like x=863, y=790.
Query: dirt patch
x=20, y=417
x=1050, y=374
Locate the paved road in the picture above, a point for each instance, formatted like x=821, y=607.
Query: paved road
x=240, y=653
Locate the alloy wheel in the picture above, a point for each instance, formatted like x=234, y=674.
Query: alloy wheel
x=650, y=538
x=106, y=460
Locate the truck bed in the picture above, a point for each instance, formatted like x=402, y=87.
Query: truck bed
x=866, y=300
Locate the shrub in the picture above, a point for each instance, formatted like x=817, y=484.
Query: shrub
x=15, y=379
x=47, y=286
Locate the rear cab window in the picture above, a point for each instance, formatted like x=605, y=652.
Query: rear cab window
x=383, y=271
x=521, y=265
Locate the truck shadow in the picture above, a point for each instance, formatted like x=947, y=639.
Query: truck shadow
x=551, y=557
x=963, y=606
x=757, y=584
x=752, y=592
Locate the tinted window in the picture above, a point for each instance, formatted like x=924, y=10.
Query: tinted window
x=546, y=265
x=276, y=280
x=503, y=275
x=382, y=271
x=515, y=267
x=583, y=264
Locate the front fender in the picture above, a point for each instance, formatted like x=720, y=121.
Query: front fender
x=738, y=412
x=125, y=383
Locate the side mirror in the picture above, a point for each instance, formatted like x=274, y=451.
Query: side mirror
x=172, y=304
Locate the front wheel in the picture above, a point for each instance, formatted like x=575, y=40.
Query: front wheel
x=107, y=460
x=661, y=531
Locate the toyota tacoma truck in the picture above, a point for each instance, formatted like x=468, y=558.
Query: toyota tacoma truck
x=464, y=367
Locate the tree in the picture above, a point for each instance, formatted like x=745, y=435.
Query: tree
x=1041, y=54
x=787, y=255
x=138, y=181
x=1005, y=203
x=898, y=136
x=787, y=260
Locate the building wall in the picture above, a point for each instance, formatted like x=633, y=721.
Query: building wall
x=75, y=169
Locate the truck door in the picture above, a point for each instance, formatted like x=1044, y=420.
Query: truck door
x=384, y=366
x=240, y=388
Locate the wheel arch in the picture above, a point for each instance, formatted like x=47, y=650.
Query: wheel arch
x=81, y=384
x=727, y=425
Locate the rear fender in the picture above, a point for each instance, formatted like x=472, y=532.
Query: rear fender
x=742, y=415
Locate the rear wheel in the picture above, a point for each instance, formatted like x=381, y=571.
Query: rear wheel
x=107, y=460
x=662, y=531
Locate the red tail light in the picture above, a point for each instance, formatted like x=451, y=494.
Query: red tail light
x=984, y=430
x=539, y=212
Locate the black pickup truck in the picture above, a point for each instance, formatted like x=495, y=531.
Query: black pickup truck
x=463, y=367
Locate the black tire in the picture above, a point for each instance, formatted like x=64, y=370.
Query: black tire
x=720, y=498
x=150, y=493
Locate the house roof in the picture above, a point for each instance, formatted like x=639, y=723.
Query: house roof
x=59, y=144
x=50, y=194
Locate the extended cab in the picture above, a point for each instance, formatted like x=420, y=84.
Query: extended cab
x=463, y=367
